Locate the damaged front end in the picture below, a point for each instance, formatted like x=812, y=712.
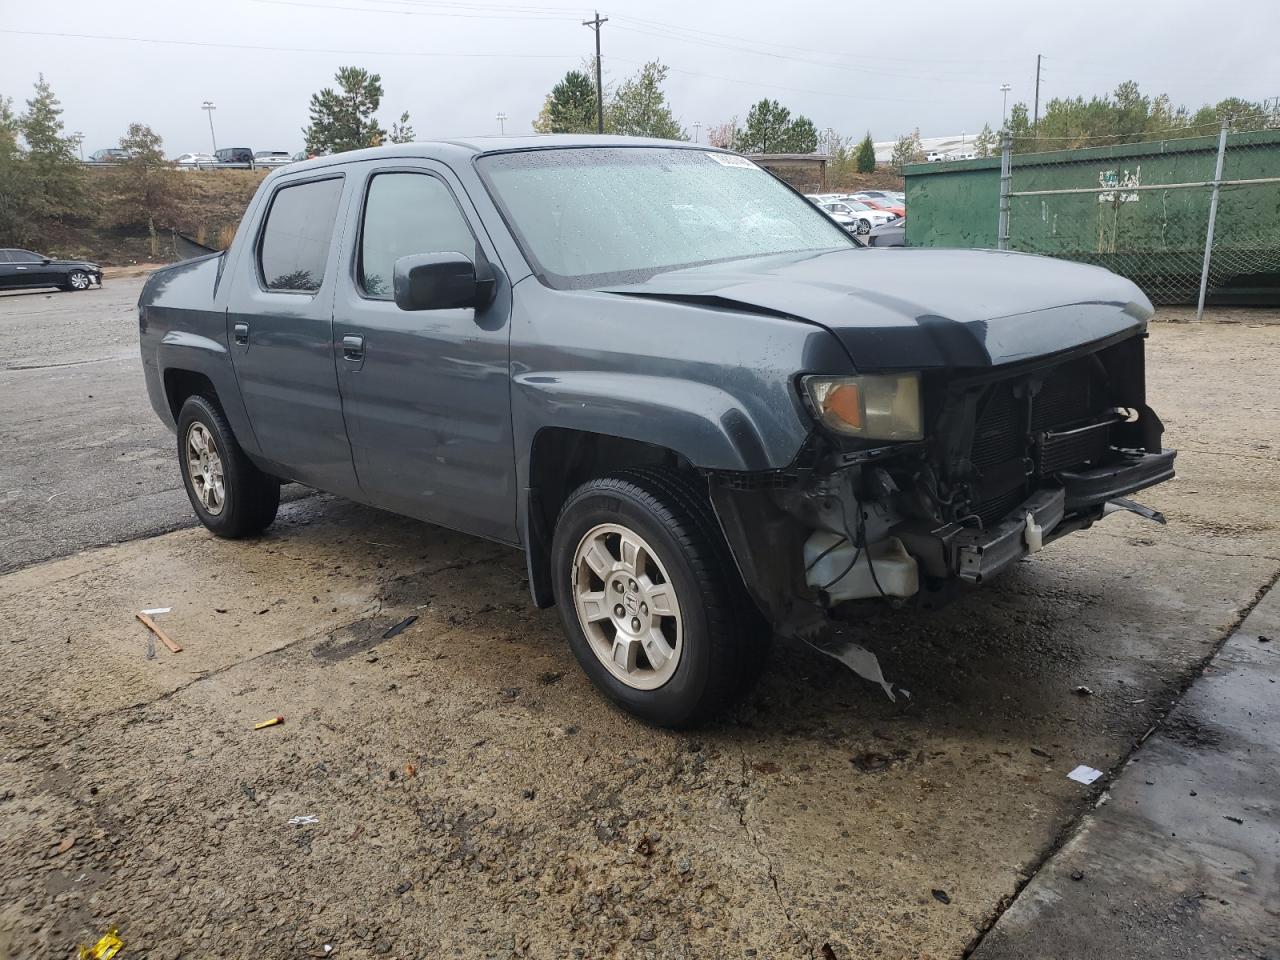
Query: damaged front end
x=1003, y=461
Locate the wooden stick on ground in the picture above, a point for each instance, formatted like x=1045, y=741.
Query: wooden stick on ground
x=154, y=627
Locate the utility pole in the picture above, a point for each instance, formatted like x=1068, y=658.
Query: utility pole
x=208, y=107
x=1004, y=110
x=502, y=121
x=697, y=130
x=595, y=25
x=1035, y=122
x=78, y=137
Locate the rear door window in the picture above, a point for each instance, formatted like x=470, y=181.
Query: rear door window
x=294, y=247
x=407, y=213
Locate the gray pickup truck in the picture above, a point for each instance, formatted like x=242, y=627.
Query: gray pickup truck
x=702, y=410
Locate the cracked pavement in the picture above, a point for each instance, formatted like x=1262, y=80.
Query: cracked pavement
x=473, y=795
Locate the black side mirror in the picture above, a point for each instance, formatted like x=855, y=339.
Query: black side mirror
x=45, y=262
x=440, y=281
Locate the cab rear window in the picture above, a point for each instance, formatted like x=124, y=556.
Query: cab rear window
x=295, y=240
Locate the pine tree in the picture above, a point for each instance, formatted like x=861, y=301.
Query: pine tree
x=570, y=107
x=345, y=121
x=56, y=176
x=866, y=161
x=145, y=189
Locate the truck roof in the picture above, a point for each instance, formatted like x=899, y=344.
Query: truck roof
x=474, y=146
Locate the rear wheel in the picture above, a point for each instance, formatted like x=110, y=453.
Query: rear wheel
x=650, y=599
x=864, y=227
x=231, y=496
x=77, y=280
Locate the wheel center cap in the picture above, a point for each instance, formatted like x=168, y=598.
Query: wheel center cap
x=632, y=602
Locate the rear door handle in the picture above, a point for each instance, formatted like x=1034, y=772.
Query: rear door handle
x=352, y=348
x=241, y=332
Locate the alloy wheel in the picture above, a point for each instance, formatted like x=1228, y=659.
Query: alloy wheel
x=627, y=606
x=204, y=468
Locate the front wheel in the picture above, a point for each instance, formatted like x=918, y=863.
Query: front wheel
x=650, y=599
x=230, y=496
x=77, y=280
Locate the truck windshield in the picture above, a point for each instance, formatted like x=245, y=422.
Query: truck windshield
x=591, y=216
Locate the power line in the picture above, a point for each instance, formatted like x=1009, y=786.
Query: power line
x=274, y=49
x=475, y=14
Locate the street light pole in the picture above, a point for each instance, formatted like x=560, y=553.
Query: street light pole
x=1004, y=109
x=208, y=107
x=78, y=137
x=502, y=121
x=697, y=130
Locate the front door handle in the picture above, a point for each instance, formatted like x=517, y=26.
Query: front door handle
x=353, y=348
x=241, y=332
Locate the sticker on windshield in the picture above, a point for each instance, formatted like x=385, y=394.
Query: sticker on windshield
x=730, y=160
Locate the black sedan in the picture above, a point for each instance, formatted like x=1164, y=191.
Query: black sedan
x=22, y=269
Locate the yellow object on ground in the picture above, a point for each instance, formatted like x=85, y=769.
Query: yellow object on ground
x=104, y=949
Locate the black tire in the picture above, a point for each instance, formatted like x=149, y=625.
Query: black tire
x=77, y=280
x=725, y=639
x=250, y=497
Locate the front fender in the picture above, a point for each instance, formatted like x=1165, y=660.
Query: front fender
x=704, y=424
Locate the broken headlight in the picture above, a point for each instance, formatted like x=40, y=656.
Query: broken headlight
x=874, y=407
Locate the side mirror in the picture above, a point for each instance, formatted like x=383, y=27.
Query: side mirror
x=45, y=262
x=440, y=281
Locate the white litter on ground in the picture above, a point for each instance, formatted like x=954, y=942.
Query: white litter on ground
x=1083, y=774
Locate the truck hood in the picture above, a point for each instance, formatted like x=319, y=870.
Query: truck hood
x=908, y=308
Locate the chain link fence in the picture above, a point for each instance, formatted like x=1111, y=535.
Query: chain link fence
x=1185, y=218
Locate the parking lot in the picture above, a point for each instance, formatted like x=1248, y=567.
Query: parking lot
x=464, y=791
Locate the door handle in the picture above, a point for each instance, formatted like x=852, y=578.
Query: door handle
x=352, y=348
x=241, y=332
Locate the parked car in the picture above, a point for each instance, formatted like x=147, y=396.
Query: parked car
x=27, y=269
x=841, y=218
x=271, y=158
x=892, y=234
x=863, y=217
x=879, y=203
x=698, y=436
x=194, y=161
x=234, y=157
x=109, y=155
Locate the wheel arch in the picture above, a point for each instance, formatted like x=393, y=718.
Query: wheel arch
x=560, y=460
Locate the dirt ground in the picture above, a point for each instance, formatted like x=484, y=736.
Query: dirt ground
x=473, y=797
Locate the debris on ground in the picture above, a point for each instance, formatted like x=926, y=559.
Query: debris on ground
x=1228, y=816
x=304, y=820
x=410, y=770
x=1084, y=774
x=145, y=619
x=1043, y=754
x=400, y=627
x=858, y=659
x=273, y=722
x=941, y=896
x=1082, y=691
x=509, y=694
x=106, y=947
x=320, y=952
x=156, y=611
x=873, y=761
x=1077, y=874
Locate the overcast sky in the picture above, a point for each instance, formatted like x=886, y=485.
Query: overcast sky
x=454, y=65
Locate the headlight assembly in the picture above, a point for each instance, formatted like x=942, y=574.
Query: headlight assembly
x=874, y=407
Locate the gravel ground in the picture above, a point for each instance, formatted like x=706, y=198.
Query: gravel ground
x=472, y=795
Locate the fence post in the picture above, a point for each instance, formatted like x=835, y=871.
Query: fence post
x=1006, y=178
x=1213, y=216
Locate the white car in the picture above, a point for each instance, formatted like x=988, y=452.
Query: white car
x=854, y=216
x=271, y=158
x=194, y=161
